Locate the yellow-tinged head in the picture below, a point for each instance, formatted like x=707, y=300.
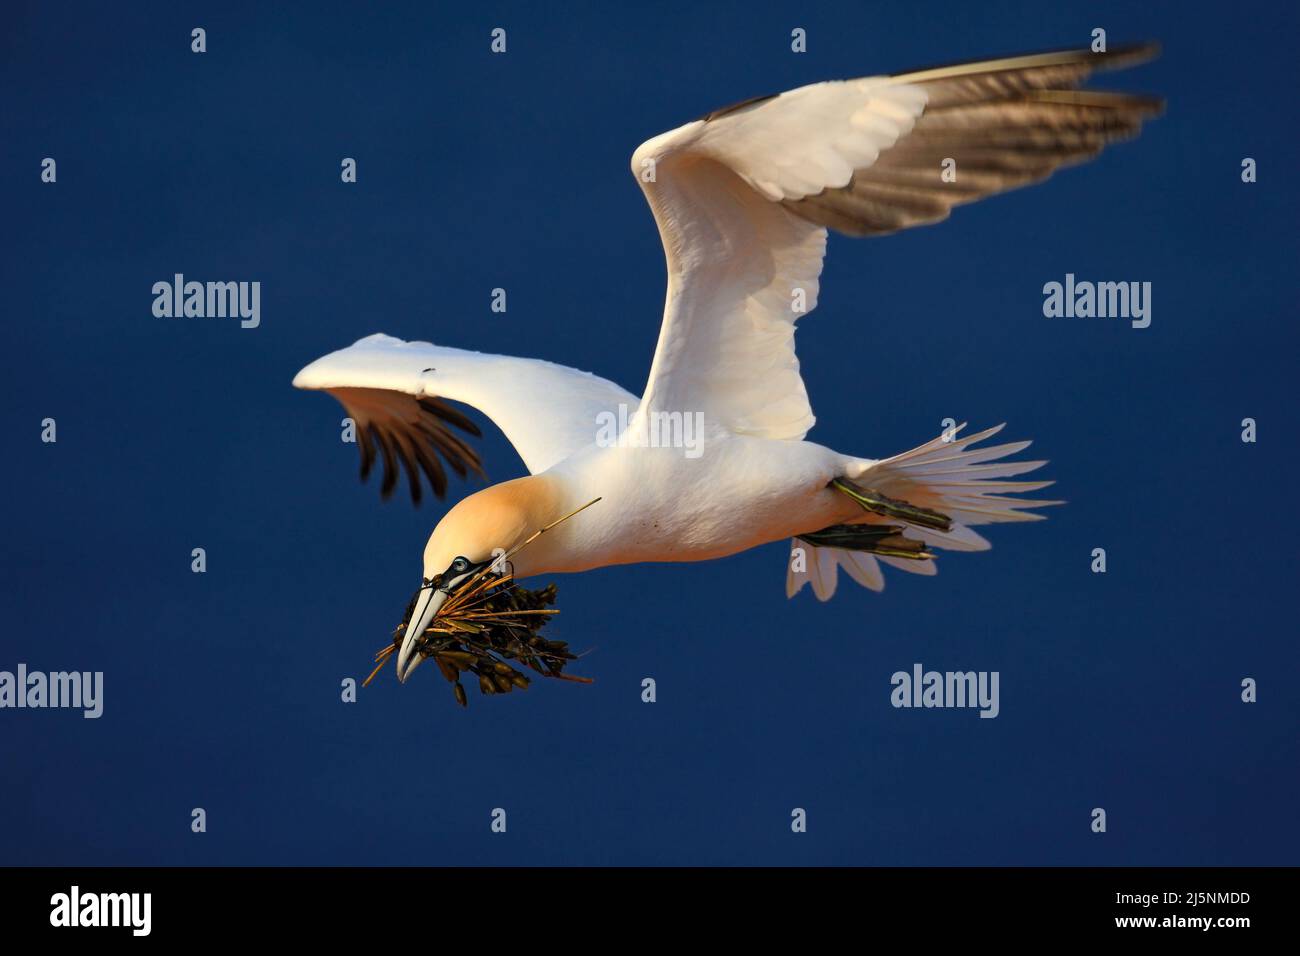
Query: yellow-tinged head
x=489, y=523
x=474, y=533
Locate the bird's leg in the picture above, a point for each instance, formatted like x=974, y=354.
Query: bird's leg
x=885, y=539
x=881, y=504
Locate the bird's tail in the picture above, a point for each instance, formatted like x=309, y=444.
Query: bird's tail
x=923, y=499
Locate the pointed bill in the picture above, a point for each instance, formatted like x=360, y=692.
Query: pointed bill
x=426, y=609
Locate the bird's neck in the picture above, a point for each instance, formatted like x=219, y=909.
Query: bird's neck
x=542, y=506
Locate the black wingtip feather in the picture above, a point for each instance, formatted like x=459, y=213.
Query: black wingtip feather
x=367, y=449
x=390, y=467
x=442, y=410
x=421, y=440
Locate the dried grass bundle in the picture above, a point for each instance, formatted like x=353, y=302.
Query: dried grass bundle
x=487, y=623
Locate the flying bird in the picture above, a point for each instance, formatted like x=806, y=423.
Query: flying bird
x=743, y=199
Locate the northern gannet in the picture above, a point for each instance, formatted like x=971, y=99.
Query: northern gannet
x=743, y=199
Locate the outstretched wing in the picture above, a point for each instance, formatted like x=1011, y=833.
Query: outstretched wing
x=397, y=394
x=743, y=197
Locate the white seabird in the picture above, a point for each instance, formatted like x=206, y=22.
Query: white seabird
x=743, y=199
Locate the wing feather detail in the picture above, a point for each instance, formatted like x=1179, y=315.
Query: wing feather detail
x=743, y=199
x=399, y=396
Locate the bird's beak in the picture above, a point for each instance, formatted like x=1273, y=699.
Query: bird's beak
x=426, y=609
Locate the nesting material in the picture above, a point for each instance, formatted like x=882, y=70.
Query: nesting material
x=483, y=630
x=486, y=627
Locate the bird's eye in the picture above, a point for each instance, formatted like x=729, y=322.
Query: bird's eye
x=460, y=565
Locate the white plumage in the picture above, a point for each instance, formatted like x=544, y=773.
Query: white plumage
x=743, y=199
x=546, y=411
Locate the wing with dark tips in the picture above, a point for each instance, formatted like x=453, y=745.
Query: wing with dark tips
x=400, y=396
x=744, y=197
x=987, y=127
x=415, y=435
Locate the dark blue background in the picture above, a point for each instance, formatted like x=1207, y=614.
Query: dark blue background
x=475, y=171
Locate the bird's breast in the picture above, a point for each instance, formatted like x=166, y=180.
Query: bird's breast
x=658, y=504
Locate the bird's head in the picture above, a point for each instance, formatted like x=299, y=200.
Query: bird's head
x=476, y=532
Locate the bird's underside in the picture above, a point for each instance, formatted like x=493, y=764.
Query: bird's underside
x=743, y=199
